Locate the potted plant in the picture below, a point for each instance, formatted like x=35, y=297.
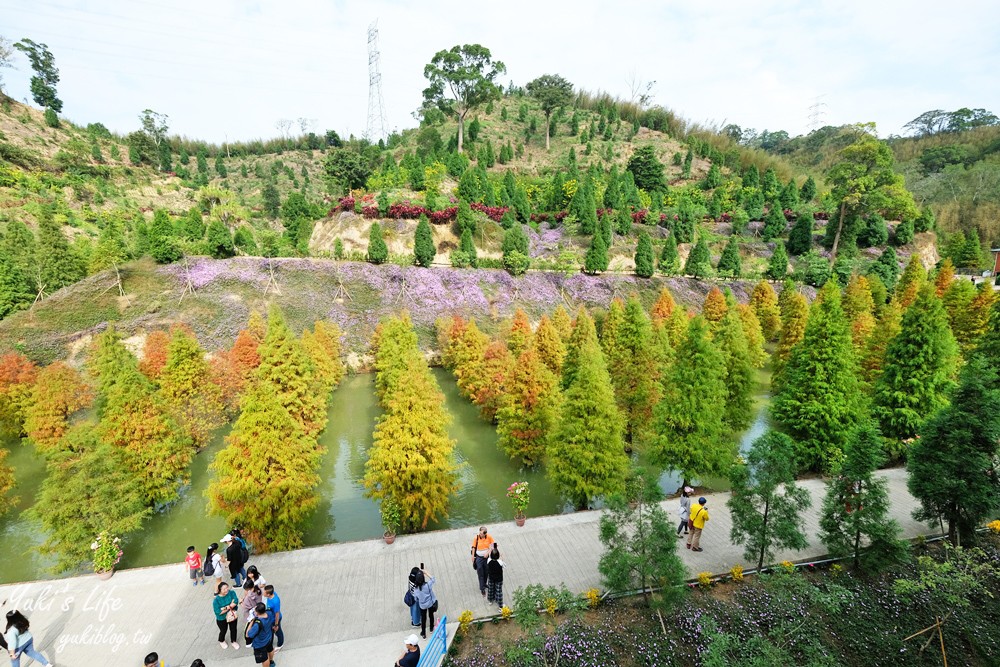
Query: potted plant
x=519, y=497
x=107, y=554
x=390, y=519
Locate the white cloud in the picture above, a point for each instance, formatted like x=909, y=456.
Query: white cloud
x=231, y=68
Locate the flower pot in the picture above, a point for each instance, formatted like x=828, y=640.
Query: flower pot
x=104, y=576
x=389, y=537
x=519, y=520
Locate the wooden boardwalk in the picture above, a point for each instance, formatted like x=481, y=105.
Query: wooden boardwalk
x=345, y=601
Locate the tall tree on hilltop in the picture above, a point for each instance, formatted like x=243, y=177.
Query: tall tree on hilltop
x=952, y=466
x=647, y=170
x=411, y=460
x=527, y=421
x=552, y=92
x=764, y=302
x=855, y=517
x=461, y=79
x=287, y=374
x=919, y=369
x=185, y=384
x=688, y=417
x=819, y=399
x=265, y=479
x=43, y=83
x=586, y=457
x=766, y=505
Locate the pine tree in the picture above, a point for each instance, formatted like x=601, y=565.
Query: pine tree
x=265, y=479
x=548, y=343
x=949, y=464
x=855, y=518
x=730, y=264
x=777, y=266
x=423, y=243
x=808, y=192
x=644, y=256
x=286, y=373
x=764, y=302
x=919, y=369
x=670, y=262
x=586, y=456
x=378, y=252
x=411, y=460
x=220, y=167
x=58, y=393
x=774, y=223
x=271, y=200
x=525, y=424
x=190, y=396
x=698, y=264
x=713, y=178
x=789, y=197
x=162, y=244
x=800, y=238
x=219, y=240
x=766, y=505
x=596, y=259
x=605, y=230
x=55, y=264
x=740, y=384
x=627, y=343
x=819, y=400
x=136, y=421
x=688, y=419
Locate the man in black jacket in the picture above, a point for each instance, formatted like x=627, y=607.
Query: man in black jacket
x=234, y=554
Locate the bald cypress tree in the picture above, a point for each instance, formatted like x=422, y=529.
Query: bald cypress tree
x=549, y=345
x=186, y=386
x=525, y=424
x=919, y=368
x=582, y=334
x=732, y=343
x=627, y=341
x=689, y=421
x=586, y=458
x=819, y=399
x=764, y=302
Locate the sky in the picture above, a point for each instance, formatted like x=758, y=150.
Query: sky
x=225, y=70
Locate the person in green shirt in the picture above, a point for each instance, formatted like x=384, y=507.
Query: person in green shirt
x=224, y=604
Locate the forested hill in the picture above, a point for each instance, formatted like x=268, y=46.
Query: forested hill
x=568, y=183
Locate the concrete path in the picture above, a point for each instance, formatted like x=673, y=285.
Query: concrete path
x=343, y=603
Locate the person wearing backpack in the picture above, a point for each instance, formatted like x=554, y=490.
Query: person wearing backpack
x=225, y=604
x=213, y=564
x=259, y=636
x=410, y=600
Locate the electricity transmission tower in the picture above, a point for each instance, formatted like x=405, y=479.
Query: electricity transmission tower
x=817, y=112
x=376, y=105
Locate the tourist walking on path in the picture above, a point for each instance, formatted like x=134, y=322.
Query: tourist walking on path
x=193, y=560
x=414, y=608
x=699, y=515
x=212, y=566
x=225, y=604
x=261, y=636
x=494, y=582
x=685, y=510
x=234, y=556
x=411, y=656
x=482, y=543
x=426, y=599
x=273, y=604
x=251, y=596
x=19, y=640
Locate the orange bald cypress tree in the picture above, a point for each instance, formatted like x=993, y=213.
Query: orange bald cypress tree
x=17, y=377
x=154, y=354
x=186, y=385
x=58, y=393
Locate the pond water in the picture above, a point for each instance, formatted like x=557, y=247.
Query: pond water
x=344, y=514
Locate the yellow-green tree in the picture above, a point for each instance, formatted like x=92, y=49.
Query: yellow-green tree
x=549, y=345
x=562, y=322
x=732, y=343
x=525, y=424
x=714, y=308
x=627, y=341
x=287, y=372
x=586, y=458
x=322, y=345
x=764, y=302
x=519, y=335
x=794, y=316
x=265, y=479
x=754, y=335
x=886, y=329
x=58, y=393
x=583, y=333
x=186, y=386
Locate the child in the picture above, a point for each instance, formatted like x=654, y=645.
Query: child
x=494, y=578
x=193, y=560
x=213, y=563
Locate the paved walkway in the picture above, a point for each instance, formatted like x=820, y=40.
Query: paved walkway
x=343, y=603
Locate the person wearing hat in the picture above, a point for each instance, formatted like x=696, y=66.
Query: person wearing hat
x=685, y=510
x=234, y=556
x=699, y=515
x=411, y=656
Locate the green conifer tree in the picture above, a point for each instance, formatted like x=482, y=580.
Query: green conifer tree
x=820, y=400
x=582, y=333
x=468, y=248
x=56, y=265
x=423, y=243
x=731, y=340
x=698, y=262
x=800, y=238
x=808, y=192
x=919, y=369
x=378, y=251
x=855, y=517
x=192, y=398
x=774, y=223
x=670, y=262
x=764, y=302
x=596, y=259
x=789, y=197
x=644, y=256
x=586, y=457
x=162, y=244
x=777, y=265
x=627, y=342
x=689, y=424
x=730, y=264
x=219, y=241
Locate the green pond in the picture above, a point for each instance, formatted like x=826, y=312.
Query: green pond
x=344, y=513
